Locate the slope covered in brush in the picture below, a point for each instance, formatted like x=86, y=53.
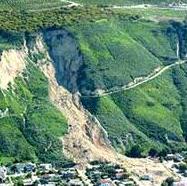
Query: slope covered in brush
x=115, y=53
x=95, y=50
x=30, y=126
x=151, y=115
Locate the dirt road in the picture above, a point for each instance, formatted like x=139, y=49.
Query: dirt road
x=137, y=81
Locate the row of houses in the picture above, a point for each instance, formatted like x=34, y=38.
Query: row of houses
x=107, y=174
x=177, y=163
x=39, y=174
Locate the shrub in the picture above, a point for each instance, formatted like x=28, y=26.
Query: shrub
x=135, y=152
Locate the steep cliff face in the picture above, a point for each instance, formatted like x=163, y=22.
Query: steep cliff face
x=26, y=113
x=86, y=139
x=120, y=114
x=66, y=57
x=34, y=110
x=181, y=30
x=121, y=118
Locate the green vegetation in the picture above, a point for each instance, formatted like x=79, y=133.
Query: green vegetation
x=33, y=21
x=106, y=45
x=168, y=182
x=31, y=5
x=38, y=5
x=9, y=40
x=43, y=4
x=29, y=21
x=154, y=14
x=182, y=167
x=103, y=170
x=152, y=115
x=180, y=80
x=127, y=2
x=31, y=128
x=117, y=52
x=149, y=115
x=117, y=46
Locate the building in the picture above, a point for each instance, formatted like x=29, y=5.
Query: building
x=45, y=167
x=146, y=178
x=170, y=157
x=183, y=182
x=127, y=183
x=21, y=168
x=119, y=175
x=75, y=182
x=106, y=182
x=178, y=157
x=29, y=167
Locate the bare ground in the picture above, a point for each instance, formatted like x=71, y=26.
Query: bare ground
x=86, y=140
x=12, y=64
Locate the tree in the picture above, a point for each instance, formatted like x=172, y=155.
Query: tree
x=168, y=182
x=135, y=151
x=153, y=152
x=182, y=167
x=164, y=152
x=36, y=183
x=19, y=182
x=185, y=20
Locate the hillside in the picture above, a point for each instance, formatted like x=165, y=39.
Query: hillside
x=90, y=83
x=24, y=134
x=151, y=114
x=110, y=54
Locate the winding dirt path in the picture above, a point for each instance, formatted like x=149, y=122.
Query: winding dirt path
x=137, y=82
x=53, y=6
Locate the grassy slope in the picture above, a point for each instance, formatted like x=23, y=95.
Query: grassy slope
x=180, y=80
x=105, y=44
x=151, y=114
x=32, y=124
x=159, y=40
x=116, y=52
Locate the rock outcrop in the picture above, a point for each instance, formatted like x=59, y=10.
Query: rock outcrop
x=66, y=57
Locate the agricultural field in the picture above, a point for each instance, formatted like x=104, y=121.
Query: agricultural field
x=34, y=4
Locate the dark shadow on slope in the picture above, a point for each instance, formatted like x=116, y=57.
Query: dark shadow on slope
x=66, y=56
